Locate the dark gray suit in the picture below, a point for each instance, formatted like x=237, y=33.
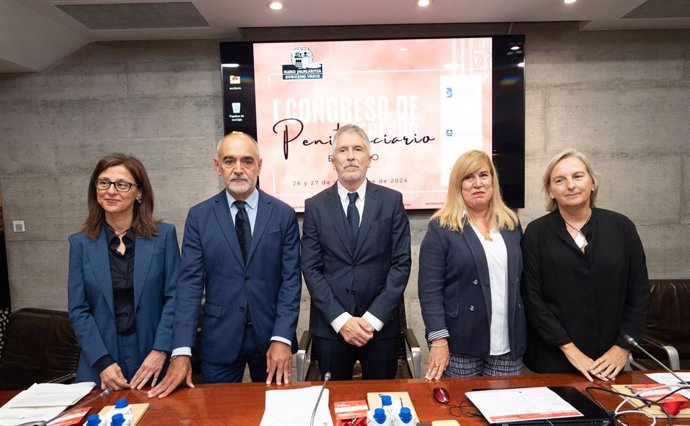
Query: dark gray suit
x=370, y=275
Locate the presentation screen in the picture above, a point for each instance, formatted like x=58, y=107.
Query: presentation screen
x=422, y=102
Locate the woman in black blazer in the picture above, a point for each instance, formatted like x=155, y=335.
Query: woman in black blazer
x=469, y=277
x=585, y=283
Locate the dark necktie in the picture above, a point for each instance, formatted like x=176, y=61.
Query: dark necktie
x=353, y=214
x=244, y=231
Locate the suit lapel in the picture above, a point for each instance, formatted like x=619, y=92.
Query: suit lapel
x=100, y=267
x=335, y=209
x=372, y=204
x=482, y=267
x=143, y=251
x=513, y=255
x=222, y=212
x=263, y=216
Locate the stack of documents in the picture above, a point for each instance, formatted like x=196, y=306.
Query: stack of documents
x=42, y=402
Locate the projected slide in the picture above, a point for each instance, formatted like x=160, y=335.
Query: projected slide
x=422, y=103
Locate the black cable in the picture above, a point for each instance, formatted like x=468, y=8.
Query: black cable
x=465, y=408
x=646, y=402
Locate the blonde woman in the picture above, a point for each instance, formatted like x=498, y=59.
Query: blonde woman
x=469, y=277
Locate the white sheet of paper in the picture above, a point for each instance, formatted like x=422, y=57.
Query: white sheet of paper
x=51, y=395
x=42, y=401
x=294, y=407
x=507, y=405
x=668, y=379
x=16, y=416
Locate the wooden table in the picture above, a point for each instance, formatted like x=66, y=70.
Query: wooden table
x=243, y=403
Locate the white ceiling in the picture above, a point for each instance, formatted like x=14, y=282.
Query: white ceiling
x=37, y=33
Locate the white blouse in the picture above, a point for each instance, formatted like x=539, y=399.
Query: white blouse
x=497, y=261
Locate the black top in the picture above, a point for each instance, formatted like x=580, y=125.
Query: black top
x=122, y=274
x=591, y=299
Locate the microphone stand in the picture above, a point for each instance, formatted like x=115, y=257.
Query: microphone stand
x=326, y=378
x=103, y=394
x=630, y=340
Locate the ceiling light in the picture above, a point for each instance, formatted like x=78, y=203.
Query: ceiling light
x=423, y=3
x=521, y=64
x=275, y=5
x=515, y=48
x=569, y=1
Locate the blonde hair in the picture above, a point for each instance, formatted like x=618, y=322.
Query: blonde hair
x=551, y=203
x=452, y=214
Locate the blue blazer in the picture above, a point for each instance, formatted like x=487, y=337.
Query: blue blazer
x=269, y=284
x=455, y=292
x=90, y=296
x=370, y=275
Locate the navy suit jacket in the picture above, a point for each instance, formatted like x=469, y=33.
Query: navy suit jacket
x=90, y=296
x=370, y=275
x=269, y=284
x=455, y=292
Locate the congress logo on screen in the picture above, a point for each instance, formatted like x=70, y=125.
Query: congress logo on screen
x=302, y=66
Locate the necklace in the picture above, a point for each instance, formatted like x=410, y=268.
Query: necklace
x=579, y=238
x=118, y=234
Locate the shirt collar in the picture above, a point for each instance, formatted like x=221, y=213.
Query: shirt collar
x=114, y=242
x=492, y=230
x=251, y=202
x=361, y=191
x=110, y=234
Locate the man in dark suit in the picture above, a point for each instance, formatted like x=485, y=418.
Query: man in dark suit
x=356, y=262
x=242, y=248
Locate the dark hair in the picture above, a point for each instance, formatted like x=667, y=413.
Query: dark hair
x=143, y=223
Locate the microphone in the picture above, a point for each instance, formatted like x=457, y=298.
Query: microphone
x=629, y=339
x=326, y=378
x=63, y=379
x=103, y=394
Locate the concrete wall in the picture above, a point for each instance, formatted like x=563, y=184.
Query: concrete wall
x=622, y=97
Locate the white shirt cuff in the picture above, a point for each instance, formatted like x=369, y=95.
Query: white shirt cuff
x=281, y=340
x=371, y=319
x=340, y=321
x=185, y=350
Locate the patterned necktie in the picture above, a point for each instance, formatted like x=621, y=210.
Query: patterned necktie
x=244, y=231
x=353, y=214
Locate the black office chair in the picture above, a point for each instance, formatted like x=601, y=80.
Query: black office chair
x=668, y=326
x=409, y=353
x=40, y=346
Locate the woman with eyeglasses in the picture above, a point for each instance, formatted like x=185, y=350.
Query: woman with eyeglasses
x=122, y=275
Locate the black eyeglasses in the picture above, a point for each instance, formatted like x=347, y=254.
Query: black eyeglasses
x=120, y=185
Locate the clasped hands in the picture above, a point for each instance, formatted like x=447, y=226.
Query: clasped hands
x=606, y=367
x=357, y=331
